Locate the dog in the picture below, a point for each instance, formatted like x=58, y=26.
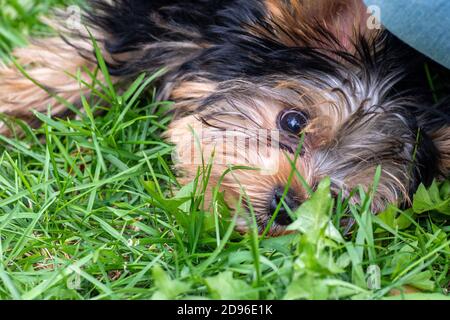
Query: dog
x=313, y=72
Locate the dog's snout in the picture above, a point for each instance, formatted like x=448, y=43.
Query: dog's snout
x=283, y=217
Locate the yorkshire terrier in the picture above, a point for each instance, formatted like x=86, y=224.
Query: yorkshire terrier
x=309, y=72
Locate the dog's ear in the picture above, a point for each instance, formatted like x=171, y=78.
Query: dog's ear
x=318, y=23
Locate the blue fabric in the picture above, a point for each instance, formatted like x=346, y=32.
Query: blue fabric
x=423, y=24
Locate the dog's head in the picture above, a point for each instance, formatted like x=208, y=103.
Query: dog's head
x=313, y=100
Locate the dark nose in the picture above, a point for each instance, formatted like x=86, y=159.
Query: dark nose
x=283, y=217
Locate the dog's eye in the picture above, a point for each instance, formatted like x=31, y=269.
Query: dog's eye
x=293, y=121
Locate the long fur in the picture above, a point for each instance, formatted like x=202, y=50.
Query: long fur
x=237, y=64
x=51, y=67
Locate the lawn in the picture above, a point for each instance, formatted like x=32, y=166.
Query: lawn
x=91, y=209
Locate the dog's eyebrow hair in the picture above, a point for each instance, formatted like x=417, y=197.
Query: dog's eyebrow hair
x=233, y=104
x=287, y=148
x=206, y=123
x=347, y=104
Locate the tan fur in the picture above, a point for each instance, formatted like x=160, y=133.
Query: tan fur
x=51, y=63
x=191, y=138
x=193, y=90
x=298, y=19
x=190, y=93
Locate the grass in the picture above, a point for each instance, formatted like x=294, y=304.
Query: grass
x=90, y=209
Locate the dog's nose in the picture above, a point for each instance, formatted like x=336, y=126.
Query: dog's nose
x=283, y=217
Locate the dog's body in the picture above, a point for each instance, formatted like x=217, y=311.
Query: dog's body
x=309, y=67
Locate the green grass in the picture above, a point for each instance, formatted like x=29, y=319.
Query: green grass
x=90, y=209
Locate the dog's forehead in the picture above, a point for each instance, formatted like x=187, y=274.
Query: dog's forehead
x=263, y=101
